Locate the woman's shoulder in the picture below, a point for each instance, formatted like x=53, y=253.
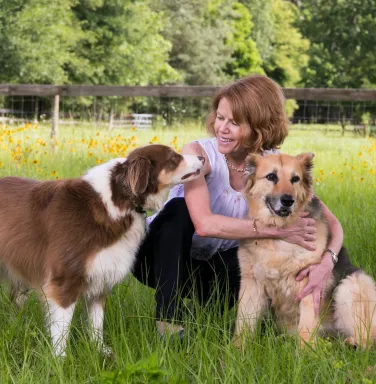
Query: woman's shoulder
x=204, y=147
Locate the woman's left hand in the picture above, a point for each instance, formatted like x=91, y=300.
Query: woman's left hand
x=318, y=278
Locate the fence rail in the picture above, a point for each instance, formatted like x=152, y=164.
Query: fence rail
x=340, y=94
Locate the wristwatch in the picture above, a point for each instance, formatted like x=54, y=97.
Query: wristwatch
x=334, y=256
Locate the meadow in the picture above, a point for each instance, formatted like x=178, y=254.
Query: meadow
x=345, y=180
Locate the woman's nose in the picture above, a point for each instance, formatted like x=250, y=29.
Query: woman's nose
x=224, y=125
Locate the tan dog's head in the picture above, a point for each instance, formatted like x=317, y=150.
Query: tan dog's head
x=277, y=186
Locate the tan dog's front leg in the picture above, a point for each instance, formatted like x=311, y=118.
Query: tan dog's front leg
x=308, y=322
x=252, y=304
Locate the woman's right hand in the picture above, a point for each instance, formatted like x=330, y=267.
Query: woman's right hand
x=302, y=233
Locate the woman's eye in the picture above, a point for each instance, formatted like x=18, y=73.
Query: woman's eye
x=272, y=177
x=234, y=123
x=219, y=117
x=295, y=179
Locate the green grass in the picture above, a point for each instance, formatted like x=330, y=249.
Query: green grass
x=343, y=180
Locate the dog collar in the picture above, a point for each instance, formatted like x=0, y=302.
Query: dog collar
x=140, y=209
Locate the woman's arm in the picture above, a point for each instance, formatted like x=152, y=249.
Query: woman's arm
x=320, y=273
x=208, y=224
x=336, y=230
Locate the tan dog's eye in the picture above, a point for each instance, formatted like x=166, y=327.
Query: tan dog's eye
x=295, y=179
x=272, y=177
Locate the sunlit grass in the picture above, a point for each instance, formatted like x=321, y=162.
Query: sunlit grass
x=345, y=180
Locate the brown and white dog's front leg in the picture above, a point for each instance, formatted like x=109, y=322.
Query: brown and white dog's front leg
x=19, y=293
x=252, y=304
x=95, y=312
x=58, y=322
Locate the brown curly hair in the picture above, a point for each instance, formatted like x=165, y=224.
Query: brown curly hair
x=257, y=105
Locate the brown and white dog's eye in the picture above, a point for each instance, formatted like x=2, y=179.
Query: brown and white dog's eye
x=272, y=177
x=295, y=179
x=176, y=159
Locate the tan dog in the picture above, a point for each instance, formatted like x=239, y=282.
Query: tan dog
x=278, y=187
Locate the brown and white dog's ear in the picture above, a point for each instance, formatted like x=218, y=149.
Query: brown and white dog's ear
x=138, y=175
x=306, y=159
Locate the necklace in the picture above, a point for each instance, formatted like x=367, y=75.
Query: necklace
x=232, y=167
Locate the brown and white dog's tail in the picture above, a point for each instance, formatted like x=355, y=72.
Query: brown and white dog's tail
x=355, y=309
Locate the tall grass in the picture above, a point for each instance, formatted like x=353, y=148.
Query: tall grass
x=344, y=179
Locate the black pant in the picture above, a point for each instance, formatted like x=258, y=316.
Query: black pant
x=164, y=263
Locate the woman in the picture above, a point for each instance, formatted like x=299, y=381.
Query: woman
x=194, y=239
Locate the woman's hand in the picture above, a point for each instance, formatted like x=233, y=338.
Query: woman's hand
x=302, y=233
x=318, y=278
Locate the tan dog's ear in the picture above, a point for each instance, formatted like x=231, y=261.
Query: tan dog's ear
x=138, y=175
x=306, y=160
x=250, y=170
x=251, y=163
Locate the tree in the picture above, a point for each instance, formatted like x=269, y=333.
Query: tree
x=37, y=46
x=281, y=45
x=342, y=35
x=246, y=58
x=197, y=30
x=289, y=54
x=263, y=31
x=124, y=44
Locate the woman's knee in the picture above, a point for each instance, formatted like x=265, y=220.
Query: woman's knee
x=178, y=206
x=175, y=215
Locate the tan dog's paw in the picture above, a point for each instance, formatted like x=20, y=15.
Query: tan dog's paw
x=356, y=343
x=307, y=339
x=237, y=341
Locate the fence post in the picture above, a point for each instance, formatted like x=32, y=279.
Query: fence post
x=55, y=119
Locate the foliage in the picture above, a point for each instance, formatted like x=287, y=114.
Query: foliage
x=289, y=47
x=246, y=58
x=36, y=46
x=124, y=44
x=143, y=371
x=342, y=35
x=281, y=45
x=197, y=30
x=263, y=32
x=136, y=42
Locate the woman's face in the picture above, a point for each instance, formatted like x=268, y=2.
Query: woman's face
x=228, y=133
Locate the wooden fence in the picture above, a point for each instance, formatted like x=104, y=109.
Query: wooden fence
x=56, y=92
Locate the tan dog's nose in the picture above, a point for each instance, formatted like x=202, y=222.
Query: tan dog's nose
x=287, y=200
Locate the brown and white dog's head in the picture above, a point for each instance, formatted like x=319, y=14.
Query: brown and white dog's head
x=278, y=186
x=142, y=179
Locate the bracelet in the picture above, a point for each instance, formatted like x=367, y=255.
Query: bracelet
x=254, y=227
x=334, y=256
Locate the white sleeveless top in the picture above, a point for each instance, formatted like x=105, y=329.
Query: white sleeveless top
x=224, y=200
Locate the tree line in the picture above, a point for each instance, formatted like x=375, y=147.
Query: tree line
x=305, y=43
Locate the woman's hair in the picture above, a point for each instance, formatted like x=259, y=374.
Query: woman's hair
x=258, y=103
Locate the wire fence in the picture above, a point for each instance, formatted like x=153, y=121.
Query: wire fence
x=150, y=111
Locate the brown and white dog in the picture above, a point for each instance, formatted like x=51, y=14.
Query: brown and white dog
x=278, y=187
x=78, y=237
